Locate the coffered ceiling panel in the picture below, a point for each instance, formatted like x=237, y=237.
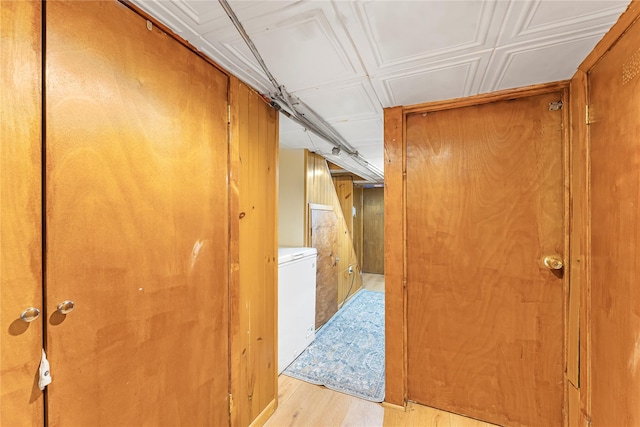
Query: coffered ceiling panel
x=401, y=31
x=302, y=52
x=511, y=66
x=449, y=79
x=346, y=60
x=528, y=20
x=352, y=100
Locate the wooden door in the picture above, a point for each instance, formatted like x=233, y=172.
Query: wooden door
x=21, y=401
x=137, y=223
x=324, y=237
x=614, y=94
x=484, y=206
x=373, y=230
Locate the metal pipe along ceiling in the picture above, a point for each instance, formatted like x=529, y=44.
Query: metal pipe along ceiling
x=308, y=119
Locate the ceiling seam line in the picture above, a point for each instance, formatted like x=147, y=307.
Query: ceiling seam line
x=328, y=134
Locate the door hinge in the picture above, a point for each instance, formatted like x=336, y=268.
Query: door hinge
x=588, y=112
x=230, y=403
x=228, y=113
x=555, y=106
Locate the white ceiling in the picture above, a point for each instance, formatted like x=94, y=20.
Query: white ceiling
x=348, y=60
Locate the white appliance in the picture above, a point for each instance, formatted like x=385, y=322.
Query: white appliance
x=296, y=302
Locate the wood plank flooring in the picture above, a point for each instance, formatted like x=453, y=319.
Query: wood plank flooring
x=373, y=282
x=304, y=404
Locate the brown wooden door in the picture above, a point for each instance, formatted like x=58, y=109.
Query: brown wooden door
x=484, y=206
x=137, y=223
x=21, y=401
x=614, y=94
x=324, y=237
x=373, y=230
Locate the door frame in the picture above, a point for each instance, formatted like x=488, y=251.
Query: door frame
x=395, y=266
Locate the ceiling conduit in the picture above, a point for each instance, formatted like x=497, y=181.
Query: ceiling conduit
x=296, y=110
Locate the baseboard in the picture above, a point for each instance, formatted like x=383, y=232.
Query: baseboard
x=264, y=415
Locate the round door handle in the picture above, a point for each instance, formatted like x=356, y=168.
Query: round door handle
x=30, y=314
x=553, y=262
x=66, y=307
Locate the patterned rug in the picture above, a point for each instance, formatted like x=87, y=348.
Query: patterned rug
x=348, y=352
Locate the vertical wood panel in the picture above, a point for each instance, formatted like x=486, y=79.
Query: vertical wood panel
x=373, y=230
x=357, y=223
x=254, y=276
x=21, y=402
x=320, y=190
x=578, y=258
x=614, y=97
x=344, y=191
x=137, y=223
x=238, y=335
x=395, y=334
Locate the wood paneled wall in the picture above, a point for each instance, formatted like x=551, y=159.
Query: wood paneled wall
x=373, y=231
x=344, y=191
x=21, y=402
x=321, y=191
x=254, y=255
x=605, y=93
x=579, y=248
x=252, y=162
x=357, y=222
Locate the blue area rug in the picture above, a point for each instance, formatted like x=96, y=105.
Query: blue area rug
x=348, y=352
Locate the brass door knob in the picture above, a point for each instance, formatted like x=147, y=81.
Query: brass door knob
x=66, y=307
x=30, y=314
x=553, y=262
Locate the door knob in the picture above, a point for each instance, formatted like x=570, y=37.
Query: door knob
x=30, y=314
x=553, y=262
x=66, y=307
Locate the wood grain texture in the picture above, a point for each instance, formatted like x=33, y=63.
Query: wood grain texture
x=324, y=237
x=574, y=407
x=254, y=276
x=487, y=98
x=614, y=97
x=373, y=230
x=357, y=223
x=21, y=402
x=580, y=248
x=394, y=271
x=304, y=404
x=320, y=190
x=579, y=221
x=137, y=221
x=344, y=191
x=485, y=317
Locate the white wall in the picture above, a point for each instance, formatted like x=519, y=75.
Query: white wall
x=291, y=198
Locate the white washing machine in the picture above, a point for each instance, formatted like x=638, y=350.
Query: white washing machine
x=296, y=302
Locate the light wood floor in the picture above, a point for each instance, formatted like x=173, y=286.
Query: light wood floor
x=373, y=282
x=308, y=405
x=304, y=404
